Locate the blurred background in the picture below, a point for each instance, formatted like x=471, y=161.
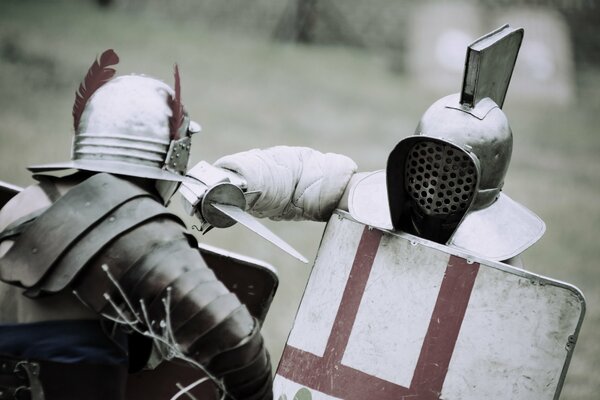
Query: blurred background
x=348, y=76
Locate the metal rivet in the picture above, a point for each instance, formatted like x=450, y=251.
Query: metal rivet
x=34, y=250
x=111, y=219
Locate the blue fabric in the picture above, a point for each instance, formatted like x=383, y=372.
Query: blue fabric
x=75, y=341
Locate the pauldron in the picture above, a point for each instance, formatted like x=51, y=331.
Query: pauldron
x=111, y=242
x=52, y=250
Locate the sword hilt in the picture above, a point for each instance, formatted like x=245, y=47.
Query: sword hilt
x=204, y=185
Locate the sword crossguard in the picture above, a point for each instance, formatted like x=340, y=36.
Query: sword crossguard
x=222, y=193
x=219, y=198
x=204, y=185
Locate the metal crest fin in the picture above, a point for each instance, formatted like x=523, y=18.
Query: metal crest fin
x=489, y=65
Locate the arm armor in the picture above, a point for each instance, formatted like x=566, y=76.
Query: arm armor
x=112, y=243
x=209, y=323
x=296, y=183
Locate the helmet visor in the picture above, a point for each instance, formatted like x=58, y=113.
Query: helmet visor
x=440, y=181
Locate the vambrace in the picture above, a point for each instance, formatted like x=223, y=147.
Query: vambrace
x=184, y=301
x=296, y=183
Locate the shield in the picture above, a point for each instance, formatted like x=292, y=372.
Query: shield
x=391, y=316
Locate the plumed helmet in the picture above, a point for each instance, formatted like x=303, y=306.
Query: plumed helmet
x=130, y=125
x=444, y=183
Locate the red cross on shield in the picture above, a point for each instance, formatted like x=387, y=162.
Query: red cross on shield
x=389, y=316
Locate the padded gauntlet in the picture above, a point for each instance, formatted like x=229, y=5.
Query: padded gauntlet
x=296, y=183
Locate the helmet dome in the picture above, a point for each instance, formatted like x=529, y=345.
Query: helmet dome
x=132, y=125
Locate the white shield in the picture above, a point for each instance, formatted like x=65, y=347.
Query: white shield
x=391, y=316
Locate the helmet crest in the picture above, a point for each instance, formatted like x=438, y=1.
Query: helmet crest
x=131, y=125
x=98, y=74
x=177, y=113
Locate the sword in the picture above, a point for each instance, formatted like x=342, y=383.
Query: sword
x=219, y=199
x=249, y=222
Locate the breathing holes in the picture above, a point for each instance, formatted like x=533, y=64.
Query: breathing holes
x=439, y=178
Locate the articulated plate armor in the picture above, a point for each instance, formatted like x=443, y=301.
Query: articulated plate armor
x=126, y=255
x=444, y=183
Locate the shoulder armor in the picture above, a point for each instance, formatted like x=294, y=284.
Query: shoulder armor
x=52, y=249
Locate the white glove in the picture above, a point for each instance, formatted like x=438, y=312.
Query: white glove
x=296, y=183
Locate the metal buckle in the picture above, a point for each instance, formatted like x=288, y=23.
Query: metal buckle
x=32, y=373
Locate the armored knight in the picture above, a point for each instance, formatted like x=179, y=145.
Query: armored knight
x=76, y=249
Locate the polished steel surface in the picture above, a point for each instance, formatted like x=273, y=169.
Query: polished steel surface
x=124, y=129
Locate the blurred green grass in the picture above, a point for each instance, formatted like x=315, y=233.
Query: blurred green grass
x=247, y=91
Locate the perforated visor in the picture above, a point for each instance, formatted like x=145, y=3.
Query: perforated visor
x=440, y=178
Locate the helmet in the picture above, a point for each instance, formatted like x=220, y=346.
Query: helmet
x=444, y=183
x=455, y=163
x=131, y=125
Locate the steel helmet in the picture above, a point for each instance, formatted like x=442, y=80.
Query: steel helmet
x=444, y=183
x=130, y=125
x=455, y=163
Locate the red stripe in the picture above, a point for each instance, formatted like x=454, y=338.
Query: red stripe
x=353, y=292
x=336, y=380
x=327, y=375
x=444, y=326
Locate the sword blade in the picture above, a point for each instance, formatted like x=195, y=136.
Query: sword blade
x=249, y=222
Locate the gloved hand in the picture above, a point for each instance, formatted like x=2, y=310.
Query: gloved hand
x=296, y=183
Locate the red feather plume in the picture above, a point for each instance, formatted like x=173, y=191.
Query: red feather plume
x=177, y=114
x=98, y=74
